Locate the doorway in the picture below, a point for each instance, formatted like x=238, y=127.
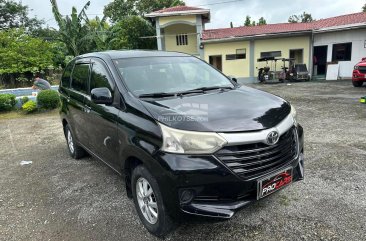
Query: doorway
x=320, y=60
x=298, y=55
x=216, y=61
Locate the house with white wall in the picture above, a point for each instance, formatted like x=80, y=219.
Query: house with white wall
x=344, y=45
x=235, y=51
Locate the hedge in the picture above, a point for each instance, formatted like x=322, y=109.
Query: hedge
x=48, y=99
x=7, y=102
x=29, y=106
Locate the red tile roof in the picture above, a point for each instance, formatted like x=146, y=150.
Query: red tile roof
x=353, y=18
x=177, y=9
x=223, y=33
x=254, y=30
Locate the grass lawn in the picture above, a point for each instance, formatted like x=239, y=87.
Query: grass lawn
x=19, y=114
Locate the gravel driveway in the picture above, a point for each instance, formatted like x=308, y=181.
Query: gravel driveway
x=58, y=198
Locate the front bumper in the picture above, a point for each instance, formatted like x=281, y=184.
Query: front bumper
x=358, y=76
x=227, y=208
x=216, y=190
x=302, y=76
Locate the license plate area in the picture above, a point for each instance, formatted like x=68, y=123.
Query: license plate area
x=273, y=183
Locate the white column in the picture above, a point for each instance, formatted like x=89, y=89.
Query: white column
x=158, y=35
x=199, y=29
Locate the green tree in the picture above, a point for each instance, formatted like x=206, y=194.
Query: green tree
x=48, y=34
x=303, y=18
x=73, y=30
x=58, y=53
x=293, y=19
x=133, y=32
x=59, y=49
x=247, y=22
x=262, y=21
x=364, y=8
x=21, y=53
x=15, y=15
x=306, y=18
x=119, y=9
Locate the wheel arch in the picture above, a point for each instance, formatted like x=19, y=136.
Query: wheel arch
x=129, y=165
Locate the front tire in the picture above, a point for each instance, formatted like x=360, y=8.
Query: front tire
x=149, y=202
x=357, y=83
x=75, y=150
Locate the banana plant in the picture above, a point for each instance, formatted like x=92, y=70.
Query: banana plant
x=100, y=33
x=73, y=29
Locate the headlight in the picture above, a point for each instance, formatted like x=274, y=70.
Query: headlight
x=294, y=114
x=356, y=67
x=190, y=142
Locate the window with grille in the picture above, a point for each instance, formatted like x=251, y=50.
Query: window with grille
x=182, y=39
x=271, y=54
x=240, y=54
x=342, y=52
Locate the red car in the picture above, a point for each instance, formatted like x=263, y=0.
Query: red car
x=359, y=73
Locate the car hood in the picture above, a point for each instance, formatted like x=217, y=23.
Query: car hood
x=238, y=110
x=361, y=64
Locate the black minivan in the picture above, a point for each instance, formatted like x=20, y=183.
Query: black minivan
x=186, y=138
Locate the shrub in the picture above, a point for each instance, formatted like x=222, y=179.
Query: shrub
x=25, y=99
x=7, y=102
x=48, y=99
x=30, y=106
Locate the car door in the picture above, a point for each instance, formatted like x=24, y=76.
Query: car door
x=64, y=87
x=102, y=119
x=78, y=91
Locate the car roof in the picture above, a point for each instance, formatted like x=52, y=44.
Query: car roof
x=123, y=54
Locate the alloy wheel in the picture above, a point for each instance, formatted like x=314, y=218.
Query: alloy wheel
x=147, y=200
x=70, y=141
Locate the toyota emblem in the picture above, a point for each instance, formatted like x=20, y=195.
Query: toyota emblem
x=273, y=138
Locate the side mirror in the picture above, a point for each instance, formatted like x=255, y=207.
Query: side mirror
x=233, y=79
x=101, y=96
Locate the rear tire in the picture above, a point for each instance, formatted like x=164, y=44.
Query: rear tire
x=149, y=203
x=357, y=83
x=75, y=150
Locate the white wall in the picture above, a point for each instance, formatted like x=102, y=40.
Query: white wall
x=357, y=37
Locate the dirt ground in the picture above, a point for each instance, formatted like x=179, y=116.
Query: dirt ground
x=58, y=198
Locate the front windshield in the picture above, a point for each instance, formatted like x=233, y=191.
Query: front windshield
x=149, y=75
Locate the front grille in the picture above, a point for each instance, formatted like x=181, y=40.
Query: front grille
x=362, y=69
x=257, y=159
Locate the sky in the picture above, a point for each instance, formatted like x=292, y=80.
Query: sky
x=222, y=11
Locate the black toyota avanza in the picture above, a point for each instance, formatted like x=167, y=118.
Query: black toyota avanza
x=186, y=138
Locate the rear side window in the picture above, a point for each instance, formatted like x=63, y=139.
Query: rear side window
x=80, y=77
x=100, y=77
x=65, y=81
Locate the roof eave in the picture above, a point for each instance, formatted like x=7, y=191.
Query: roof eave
x=340, y=28
x=178, y=13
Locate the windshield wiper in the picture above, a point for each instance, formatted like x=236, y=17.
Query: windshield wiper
x=198, y=90
x=157, y=95
x=203, y=89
